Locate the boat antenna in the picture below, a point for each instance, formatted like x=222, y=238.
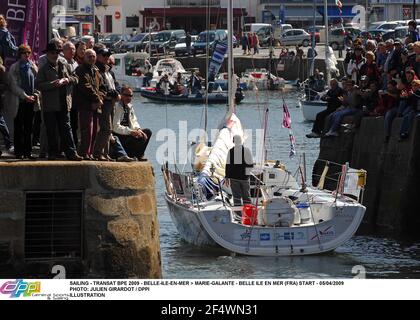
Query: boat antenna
x=206, y=108
x=231, y=65
x=311, y=71
x=327, y=45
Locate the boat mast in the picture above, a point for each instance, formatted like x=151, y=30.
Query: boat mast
x=311, y=71
x=326, y=40
x=206, y=108
x=231, y=67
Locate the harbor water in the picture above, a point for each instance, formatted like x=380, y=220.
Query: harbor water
x=373, y=256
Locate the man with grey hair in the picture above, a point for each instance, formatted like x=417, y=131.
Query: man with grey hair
x=69, y=52
x=239, y=163
x=89, y=99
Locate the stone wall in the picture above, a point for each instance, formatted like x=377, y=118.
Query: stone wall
x=120, y=229
x=393, y=172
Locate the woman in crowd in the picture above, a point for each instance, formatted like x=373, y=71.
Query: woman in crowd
x=7, y=41
x=22, y=84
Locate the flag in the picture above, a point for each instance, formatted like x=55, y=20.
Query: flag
x=292, y=145
x=287, y=119
x=338, y=4
x=217, y=60
x=287, y=124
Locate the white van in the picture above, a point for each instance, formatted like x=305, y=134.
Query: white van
x=255, y=27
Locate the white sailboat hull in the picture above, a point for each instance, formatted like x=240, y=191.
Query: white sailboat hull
x=188, y=224
x=215, y=225
x=311, y=108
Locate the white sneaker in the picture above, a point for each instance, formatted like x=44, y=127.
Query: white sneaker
x=11, y=150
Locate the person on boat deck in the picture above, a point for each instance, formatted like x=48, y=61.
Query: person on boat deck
x=179, y=85
x=239, y=164
x=333, y=103
x=126, y=127
x=164, y=86
x=195, y=83
x=316, y=85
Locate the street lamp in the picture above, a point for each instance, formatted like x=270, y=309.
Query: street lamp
x=414, y=9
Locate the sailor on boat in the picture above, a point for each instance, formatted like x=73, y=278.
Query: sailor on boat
x=164, y=86
x=195, y=83
x=316, y=85
x=239, y=164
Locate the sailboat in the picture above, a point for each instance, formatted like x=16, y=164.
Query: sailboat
x=287, y=219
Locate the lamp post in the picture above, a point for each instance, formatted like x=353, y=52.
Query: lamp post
x=414, y=9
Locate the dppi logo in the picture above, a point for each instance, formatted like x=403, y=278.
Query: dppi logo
x=20, y=287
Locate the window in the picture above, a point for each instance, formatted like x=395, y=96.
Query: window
x=72, y=5
x=132, y=22
x=108, y=24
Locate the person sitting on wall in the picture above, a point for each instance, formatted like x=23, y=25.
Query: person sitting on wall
x=126, y=127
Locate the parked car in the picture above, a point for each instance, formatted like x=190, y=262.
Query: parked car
x=337, y=37
x=110, y=40
x=128, y=46
x=388, y=26
x=143, y=45
x=295, y=37
x=211, y=37
x=165, y=41
x=181, y=47
x=374, y=33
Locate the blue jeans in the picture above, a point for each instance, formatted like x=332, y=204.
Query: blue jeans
x=402, y=110
x=116, y=149
x=4, y=130
x=407, y=121
x=338, y=116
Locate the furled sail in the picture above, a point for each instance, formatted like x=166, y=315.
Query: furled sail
x=212, y=161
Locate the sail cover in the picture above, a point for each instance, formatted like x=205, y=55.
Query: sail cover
x=213, y=160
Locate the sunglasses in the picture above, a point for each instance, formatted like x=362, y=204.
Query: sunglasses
x=128, y=95
x=27, y=52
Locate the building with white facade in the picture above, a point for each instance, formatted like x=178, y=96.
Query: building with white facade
x=122, y=16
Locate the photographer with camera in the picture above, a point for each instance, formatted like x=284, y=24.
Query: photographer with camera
x=101, y=147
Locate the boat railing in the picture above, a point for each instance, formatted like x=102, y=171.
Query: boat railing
x=340, y=179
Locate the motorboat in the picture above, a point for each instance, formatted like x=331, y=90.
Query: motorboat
x=217, y=97
x=131, y=69
x=262, y=80
x=310, y=109
x=170, y=67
